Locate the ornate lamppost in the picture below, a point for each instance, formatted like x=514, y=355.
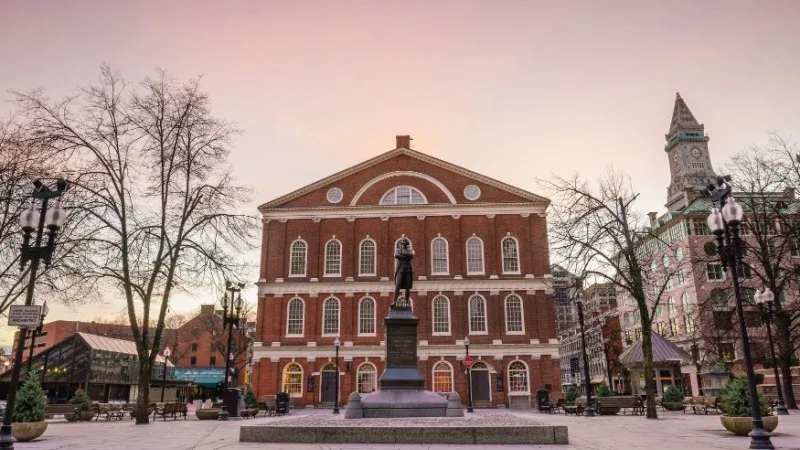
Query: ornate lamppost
x=589, y=411
x=31, y=220
x=164, y=377
x=764, y=302
x=36, y=332
x=336, y=344
x=725, y=226
x=469, y=378
x=229, y=318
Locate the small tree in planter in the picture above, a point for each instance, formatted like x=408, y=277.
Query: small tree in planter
x=603, y=390
x=734, y=401
x=571, y=395
x=83, y=404
x=28, y=420
x=673, y=399
x=250, y=400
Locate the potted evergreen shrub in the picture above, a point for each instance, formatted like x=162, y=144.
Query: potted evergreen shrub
x=28, y=420
x=250, y=403
x=83, y=407
x=673, y=399
x=735, y=402
x=571, y=395
x=604, y=391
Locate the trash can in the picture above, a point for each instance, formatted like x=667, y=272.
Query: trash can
x=543, y=398
x=232, y=400
x=282, y=403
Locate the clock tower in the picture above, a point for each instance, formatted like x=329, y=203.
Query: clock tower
x=689, y=161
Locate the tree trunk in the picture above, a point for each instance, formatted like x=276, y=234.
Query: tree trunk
x=649, y=382
x=784, y=358
x=143, y=399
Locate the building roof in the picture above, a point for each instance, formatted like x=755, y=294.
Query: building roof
x=107, y=344
x=682, y=117
x=664, y=351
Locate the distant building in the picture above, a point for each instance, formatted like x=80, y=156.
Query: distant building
x=563, y=284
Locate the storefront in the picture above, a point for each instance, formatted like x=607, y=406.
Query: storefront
x=204, y=382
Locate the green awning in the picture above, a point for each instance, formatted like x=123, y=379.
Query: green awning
x=208, y=377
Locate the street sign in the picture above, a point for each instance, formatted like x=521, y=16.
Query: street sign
x=468, y=361
x=24, y=316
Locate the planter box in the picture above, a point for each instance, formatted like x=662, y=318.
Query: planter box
x=27, y=431
x=742, y=426
x=672, y=406
x=84, y=416
x=207, y=414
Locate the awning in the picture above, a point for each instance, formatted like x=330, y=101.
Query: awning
x=598, y=379
x=208, y=377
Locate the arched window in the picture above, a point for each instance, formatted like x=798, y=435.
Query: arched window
x=367, y=257
x=475, y=256
x=367, y=376
x=333, y=258
x=441, y=315
x=477, y=314
x=439, y=263
x=719, y=299
x=293, y=379
x=514, y=323
x=366, y=316
x=297, y=262
x=330, y=317
x=518, y=377
x=627, y=318
x=403, y=195
x=510, y=255
x=688, y=323
x=294, y=318
x=671, y=307
x=442, y=377
x=685, y=303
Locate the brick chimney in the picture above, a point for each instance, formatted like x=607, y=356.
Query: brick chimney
x=403, y=141
x=206, y=310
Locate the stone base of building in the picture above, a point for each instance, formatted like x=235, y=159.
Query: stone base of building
x=468, y=430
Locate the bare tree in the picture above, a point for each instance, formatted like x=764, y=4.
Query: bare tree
x=241, y=342
x=162, y=205
x=598, y=234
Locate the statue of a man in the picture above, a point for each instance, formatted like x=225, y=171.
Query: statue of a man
x=404, y=274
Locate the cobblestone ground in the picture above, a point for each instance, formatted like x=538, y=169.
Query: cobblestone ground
x=671, y=431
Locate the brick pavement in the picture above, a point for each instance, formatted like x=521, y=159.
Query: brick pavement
x=671, y=432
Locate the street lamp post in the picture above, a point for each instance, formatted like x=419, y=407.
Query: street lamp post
x=164, y=377
x=469, y=378
x=764, y=302
x=589, y=411
x=725, y=226
x=31, y=220
x=229, y=318
x=336, y=345
x=38, y=330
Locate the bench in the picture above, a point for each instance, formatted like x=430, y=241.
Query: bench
x=60, y=410
x=623, y=403
x=268, y=407
x=576, y=408
x=171, y=409
x=702, y=404
x=248, y=413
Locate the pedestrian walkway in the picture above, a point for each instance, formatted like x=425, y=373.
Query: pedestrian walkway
x=673, y=431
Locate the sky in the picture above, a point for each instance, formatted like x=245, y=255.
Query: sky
x=516, y=90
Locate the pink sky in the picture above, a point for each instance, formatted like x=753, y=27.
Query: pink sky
x=515, y=89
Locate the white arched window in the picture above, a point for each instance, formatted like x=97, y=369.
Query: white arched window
x=330, y=317
x=671, y=307
x=366, y=317
x=510, y=255
x=442, y=377
x=333, y=258
x=367, y=376
x=297, y=258
x=367, y=257
x=439, y=263
x=477, y=315
x=518, y=377
x=475, y=256
x=686, y=305
x=403, y=195
x=294, y=317
x=514, y=322
x=293, y=379
x=441, y=315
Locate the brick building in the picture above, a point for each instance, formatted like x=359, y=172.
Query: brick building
x=56, y=331
x=481, y=270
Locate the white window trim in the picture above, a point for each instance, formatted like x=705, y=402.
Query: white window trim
x=374, y=258
x=338, y=318
x=410, y=244
x=305, y=259
x=433, y=317
x=446, y=255
x=452, y=375
x=521, y=311
x=503, y=257
x=485, y=316
x=358, y=370
x=325, y=261
x=483, y=257
x=288, y=311
x=724, y=273
x=411, y=190
x=374, y=317
x=508, y=378
x=302, y=377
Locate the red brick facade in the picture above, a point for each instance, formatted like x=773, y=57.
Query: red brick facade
x=499, y=214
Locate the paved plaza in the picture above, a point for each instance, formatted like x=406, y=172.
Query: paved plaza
x=671, y=431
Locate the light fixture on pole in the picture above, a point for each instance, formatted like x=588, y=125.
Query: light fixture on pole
x=588, y=411
x=725, y=226
x=164, y=377
x=229, y=318
x=336, y=345
x=764, y=302
x=469, y=377
x=35, y=333
x=44, y=220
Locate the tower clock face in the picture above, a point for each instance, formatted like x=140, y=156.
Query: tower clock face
x=697, y=153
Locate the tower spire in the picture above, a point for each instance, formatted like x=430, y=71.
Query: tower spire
x=682, y=117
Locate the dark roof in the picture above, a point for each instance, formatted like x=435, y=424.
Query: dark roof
x=114, y=345
x=663, y=351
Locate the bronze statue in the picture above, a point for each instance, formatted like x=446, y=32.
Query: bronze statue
x=403, y=274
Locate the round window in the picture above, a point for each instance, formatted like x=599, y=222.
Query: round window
x=472, y=192
x=335, y=195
